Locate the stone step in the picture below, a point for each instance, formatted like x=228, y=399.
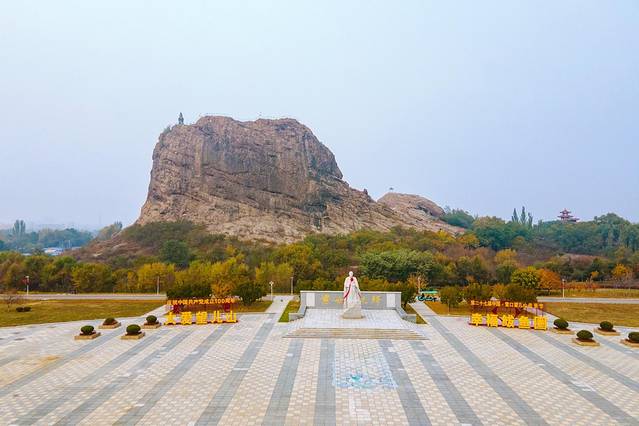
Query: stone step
x=355, y=333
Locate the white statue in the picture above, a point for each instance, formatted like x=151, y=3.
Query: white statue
x=352, y=298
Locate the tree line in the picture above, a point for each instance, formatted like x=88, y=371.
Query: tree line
x=181, y=258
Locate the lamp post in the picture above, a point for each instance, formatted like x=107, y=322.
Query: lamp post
x=157, y=285
x=271, y=284
x=291, y=286
x=26, y=280
x=563, y=289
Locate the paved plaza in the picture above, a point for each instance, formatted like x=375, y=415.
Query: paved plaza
x=249, y=374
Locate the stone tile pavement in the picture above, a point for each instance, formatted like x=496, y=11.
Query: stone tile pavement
x=247, y=374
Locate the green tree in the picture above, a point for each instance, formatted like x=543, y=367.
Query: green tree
x=34, y=267
x=457, y=217
x=150, y=274
x=249, y=291
x=92, y=278
x=526, y=277
x=518, y=293
x=451, y=296
x=478, y=292
x=280, y=274
x=471, y=269
x=300, y=257
x=19, y=231
x=109, y=231
x=175, y=252
x=396, y=265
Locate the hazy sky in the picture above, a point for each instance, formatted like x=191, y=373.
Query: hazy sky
x=480, y=105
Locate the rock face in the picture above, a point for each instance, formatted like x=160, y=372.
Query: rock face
x=266, y=180
x=413, y=206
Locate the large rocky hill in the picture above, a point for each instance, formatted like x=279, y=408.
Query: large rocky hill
x=269, y=180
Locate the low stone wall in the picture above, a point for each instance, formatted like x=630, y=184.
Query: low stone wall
x=312, y=299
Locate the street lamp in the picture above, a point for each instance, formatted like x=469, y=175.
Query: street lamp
x=291, y=286
x=563, y=289
x=271, y=284
x=26, y=280
x=157, y=285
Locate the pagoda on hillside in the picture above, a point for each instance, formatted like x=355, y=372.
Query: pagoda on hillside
x=565, y=216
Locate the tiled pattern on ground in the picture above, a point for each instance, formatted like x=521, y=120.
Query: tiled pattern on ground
x=247, y=374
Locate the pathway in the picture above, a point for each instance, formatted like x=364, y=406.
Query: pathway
x=278, y=305
x=247, y=374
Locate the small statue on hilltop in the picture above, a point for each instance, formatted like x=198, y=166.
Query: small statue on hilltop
x=181, y=119
x=352, y=298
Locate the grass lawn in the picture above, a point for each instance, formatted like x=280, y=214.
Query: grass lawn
x=620, y=293
x=441, y=309
x=594, y=313
x=44, y=311
x=409, y=310
x=258, y=306
x=293, y=306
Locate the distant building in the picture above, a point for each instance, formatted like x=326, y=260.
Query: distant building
x=566, y=216
x=53, y=251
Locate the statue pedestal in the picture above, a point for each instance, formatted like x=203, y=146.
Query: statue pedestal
x=354, y=312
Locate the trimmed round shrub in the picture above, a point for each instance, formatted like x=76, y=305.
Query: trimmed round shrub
x=606, y=326
x=87, y=330
x=109, y=321
x=19, y=309
x=151, y=319
x=133, y=329
x=584, y=335
x=26, y=309
x=561, y=324
x=633, y=336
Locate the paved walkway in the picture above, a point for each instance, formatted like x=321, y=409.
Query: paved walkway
x=278, y=305
x=423, y=309
x=247, y=374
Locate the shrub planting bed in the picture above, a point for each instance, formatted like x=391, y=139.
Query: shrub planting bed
x=561, y=327
x=585, y=338
x=606, y=328
x=110, y=324
x=87, y=332
x=632, y=340
x=133, y=332
x=151, y=323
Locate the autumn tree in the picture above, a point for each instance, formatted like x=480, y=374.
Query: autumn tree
x=228, y=275
x=621, y=273
x=549, y=280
